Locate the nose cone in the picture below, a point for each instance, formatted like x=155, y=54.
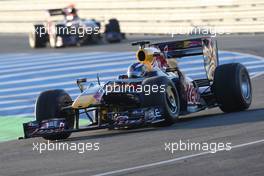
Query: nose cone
x=83, y=101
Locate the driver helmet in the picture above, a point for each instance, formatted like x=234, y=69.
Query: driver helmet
x=71, y=12
x=70, y=9
x=136, y=70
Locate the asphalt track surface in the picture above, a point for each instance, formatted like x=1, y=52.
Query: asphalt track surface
x=142, y=151
x=18, y=43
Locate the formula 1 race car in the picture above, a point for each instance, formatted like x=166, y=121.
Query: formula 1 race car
x=153, y=92
x=72, y=30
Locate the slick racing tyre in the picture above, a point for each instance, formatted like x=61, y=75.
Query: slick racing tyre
x=56, y=36
x=38, y=37
x=112, y=26
x=53, y=40
x=112, y=31
x=232, y=87
x=48, y=106
x=167, y=99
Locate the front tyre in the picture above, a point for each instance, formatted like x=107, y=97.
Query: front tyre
x=167, y=98
x=49, y=106
x=38, y=37
x=232, y=87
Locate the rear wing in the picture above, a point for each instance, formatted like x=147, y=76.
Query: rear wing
x=56, y=12
x=206, y=46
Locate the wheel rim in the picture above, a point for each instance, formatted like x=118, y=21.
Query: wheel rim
x=171, y=100
x=245, y=87
x=52, y=41
x=31, y=40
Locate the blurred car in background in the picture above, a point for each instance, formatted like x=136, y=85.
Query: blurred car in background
x=72, y=30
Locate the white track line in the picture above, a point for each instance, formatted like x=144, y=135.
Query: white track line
x=253, y=62
x=88, y=73
x=16, y=101
x=66, y=58
x=32, y=100
x=62, y=83
x=79, y=74
x=19, y=115
x=49, y=85
x=19, y=95
x=4, y=56
x=35, y=61
x=17, y=107
x=67, y=89
x=55, y=84
x=37, y=58
x=255, y=66
x=257, y=74
x=253, y=75
x=224, y=58
x=144, y=166
x=57, y=77
x=260, y=65
x=33, y=93
x=80, y=66
x=29, y=56
x=245, y=54
x=64, y=64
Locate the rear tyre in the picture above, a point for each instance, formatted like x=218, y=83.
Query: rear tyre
x=232, y=87
x=112, y=31
x=37, y=38
x=112, y=26
x=56, y=36
x=48, y=106
x=167, y=98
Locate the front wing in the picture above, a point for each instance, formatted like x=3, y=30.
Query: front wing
x=116, y=120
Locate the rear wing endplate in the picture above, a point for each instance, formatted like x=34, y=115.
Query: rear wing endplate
x=206, y=46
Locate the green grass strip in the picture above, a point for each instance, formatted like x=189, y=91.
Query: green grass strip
x=11, y=127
